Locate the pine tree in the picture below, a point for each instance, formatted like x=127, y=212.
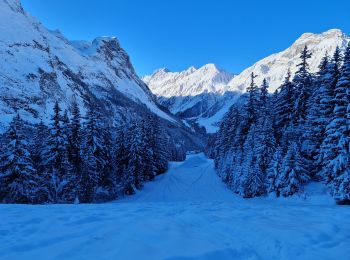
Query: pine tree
x=293, y=173
x=56, y=161
x=337, y=127
x=284, y=106
x=339, y=167
x=69, y=179
x=135, y=167
x=75, y=147
x=94, y=161
x=263, y=95
x=121, y=160
x=148, y=145
x=273, y=171
x=18, y=176
x=303, y=82
x=315, y=125
x=328, y=146
x=40, y=138
x=252, y=180
x=108, y=178
x=38, y=147
x=252, y=104
x=265, y=142
x=158, y=146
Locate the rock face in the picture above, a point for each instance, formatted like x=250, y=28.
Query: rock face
x=205, y=95
x=39, y=67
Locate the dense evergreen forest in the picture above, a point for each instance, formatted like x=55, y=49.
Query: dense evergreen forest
x=278, y=143
x=79, y=160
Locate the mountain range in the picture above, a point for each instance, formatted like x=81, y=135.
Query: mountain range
x=204, y=95
x=39, y=67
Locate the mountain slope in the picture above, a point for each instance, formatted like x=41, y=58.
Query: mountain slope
x=38, y=67
x=274, y=67
x=193, y=94
x=191, y=82
x=204, y=100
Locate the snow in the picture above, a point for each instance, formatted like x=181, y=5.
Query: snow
x=181, y=91
x=27, y=46
x=190, y=82
x=186, y=213
x=275, y=66
x=185, y=88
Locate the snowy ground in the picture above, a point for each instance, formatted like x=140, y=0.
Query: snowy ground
x=185, y=214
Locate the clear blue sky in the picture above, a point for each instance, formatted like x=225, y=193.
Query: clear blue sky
x=181, y=33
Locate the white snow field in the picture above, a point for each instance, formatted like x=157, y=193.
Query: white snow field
x=184, y=214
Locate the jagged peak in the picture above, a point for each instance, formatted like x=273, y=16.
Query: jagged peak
x=105, y=39
x=335, y=32
x=190, y=69
x=210, y=67
x=332, y=33
x=161, y=71
x=91, y=48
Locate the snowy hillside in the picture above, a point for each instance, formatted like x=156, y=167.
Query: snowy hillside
x=191, y=82
x=38, y=67
x=199, y=95
x=194, y=94
x=185, y=214
x=274, y=67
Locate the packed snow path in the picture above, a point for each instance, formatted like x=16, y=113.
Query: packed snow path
x=185, y=214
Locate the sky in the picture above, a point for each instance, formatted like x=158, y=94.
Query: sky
x=183, y=33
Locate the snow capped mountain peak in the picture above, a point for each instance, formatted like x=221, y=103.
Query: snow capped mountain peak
x=192, y=93
x=160, y=71
x=275, y=66
x=312, y=38
x=39, y=67
x=190, y=82
x=210, y=67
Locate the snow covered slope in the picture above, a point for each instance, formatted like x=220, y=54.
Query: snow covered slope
x=199, y=95
x=191, y=82
x=185, y=214
x=194, y=94
x=38, y=67
x=274, y=67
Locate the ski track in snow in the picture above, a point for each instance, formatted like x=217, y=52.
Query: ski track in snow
x=187, y=213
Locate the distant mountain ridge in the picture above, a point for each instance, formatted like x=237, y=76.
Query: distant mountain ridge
x=191, y=82
x=205, y=95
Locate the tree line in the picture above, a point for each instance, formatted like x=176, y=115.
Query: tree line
x=278, y=143
x=79, y=159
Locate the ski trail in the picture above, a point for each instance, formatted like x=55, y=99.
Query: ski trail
x=193, y=180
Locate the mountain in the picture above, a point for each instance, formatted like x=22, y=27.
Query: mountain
x=193, y=94
x=274, y=67
x=203, y=96
x=39, y=67
x=191, y=82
